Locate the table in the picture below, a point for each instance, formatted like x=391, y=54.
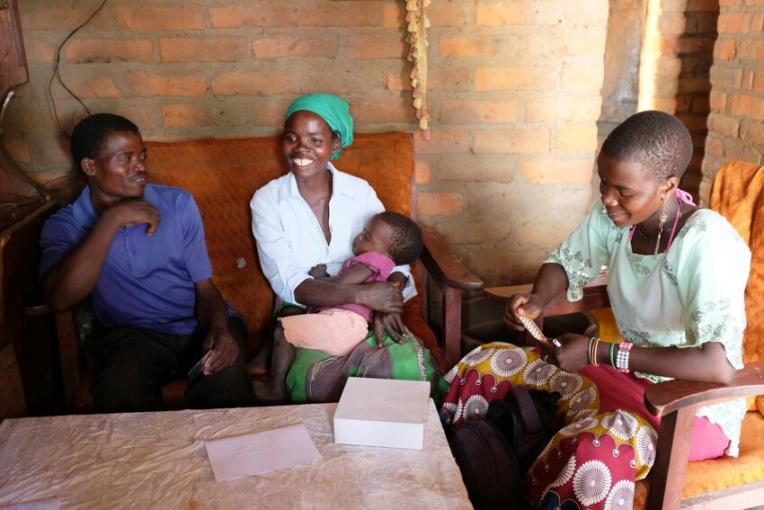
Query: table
x=158, y=460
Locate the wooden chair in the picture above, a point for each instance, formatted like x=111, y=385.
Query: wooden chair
x=726, y=483
x=222, y=175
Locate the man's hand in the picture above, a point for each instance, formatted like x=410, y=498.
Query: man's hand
x=382, y=297
x=318, y=271
x=390, y=323
x=134, y=212
x=222, y=351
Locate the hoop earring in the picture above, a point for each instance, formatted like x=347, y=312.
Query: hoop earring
x=663, y=218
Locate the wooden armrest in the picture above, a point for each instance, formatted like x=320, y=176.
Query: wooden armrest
x=665, y=398
x=443, y=265
x=595, y=296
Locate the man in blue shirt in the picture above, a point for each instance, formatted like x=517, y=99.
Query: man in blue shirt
x=137, y=250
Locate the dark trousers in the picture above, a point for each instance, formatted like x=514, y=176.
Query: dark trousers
x=132, y=364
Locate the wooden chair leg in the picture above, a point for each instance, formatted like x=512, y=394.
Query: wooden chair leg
x=671, y=458
x=452, y=323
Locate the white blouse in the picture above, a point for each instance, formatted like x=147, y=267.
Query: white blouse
x=290, y=240
x=690, y=295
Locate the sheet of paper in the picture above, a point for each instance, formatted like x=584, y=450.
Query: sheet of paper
x=34, y=505
x=262, y=452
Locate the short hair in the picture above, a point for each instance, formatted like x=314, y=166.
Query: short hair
x=407, y=238
x=90, y=134
x=656, y=140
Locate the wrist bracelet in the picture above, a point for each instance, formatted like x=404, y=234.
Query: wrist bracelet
x=622, y=358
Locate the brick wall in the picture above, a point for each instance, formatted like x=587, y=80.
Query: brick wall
x=514, y=96
x=736, y=122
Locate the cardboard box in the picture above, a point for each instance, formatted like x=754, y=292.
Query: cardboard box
x=382, y=412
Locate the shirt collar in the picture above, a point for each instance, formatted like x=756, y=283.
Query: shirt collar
x=339, y=183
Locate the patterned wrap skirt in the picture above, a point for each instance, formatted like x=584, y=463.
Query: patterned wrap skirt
x=593, y=461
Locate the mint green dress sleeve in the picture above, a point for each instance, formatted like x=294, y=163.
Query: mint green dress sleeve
x=583, y=254
x=712, y=273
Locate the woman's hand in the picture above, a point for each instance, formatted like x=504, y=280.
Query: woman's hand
x=382, y=297
x=572, y=355
x=390, y=323
x=528, y=305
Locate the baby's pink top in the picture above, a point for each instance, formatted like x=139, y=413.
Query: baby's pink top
x=381, y=266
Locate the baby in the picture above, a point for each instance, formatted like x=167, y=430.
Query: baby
x=389, y=239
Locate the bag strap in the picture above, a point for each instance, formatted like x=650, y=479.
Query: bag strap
x=527, y=408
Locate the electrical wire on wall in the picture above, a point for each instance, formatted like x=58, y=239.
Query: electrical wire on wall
x=57, y=71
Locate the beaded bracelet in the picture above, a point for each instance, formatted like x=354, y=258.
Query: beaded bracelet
x=622, y=358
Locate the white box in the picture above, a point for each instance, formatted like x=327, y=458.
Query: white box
x=382, y=412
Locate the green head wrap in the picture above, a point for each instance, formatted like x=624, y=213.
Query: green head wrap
x=333, y=109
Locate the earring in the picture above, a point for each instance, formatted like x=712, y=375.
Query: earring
x=603, y=210
x=663, y=218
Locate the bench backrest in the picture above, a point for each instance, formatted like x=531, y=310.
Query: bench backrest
x=223, y=175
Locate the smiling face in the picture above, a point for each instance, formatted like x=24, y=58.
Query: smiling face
x=377, y=236
x=307, y=144
x=630, y=193
x=118, y=171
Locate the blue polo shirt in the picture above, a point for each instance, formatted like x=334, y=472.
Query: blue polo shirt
x=146, y=281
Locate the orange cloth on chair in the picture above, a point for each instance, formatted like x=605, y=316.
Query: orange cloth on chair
x=737, y=194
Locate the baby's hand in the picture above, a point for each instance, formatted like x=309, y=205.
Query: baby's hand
x=318, y=271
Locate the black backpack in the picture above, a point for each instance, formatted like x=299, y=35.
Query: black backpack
x=494, y=453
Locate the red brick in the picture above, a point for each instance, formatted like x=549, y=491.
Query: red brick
x=699, y=44
x=253, y=83
x=475, y=112
x=449, y=78
x=467, y=46
x=579, y=108
x=746, y=81
x=147, y=84
x=701, y=105
x=714, y=146
x=449, y=14
x=442, y=142
x=583, y=75
x=725, y=77
x=703, y=5
x=340, y=14
x=376, y=46
x=439, y=204
x=512, y=141
x=725, y=49
x=522, y=12
x=399, y=82
x=577, y=137
x=155, y=18
x=39, y=17
x=476, y=168
x=747, y=106
x=573, y=171
x=718, y=100
x=671, y=23
x=693, y=123
x=87, y=85
x=595, y=13
x=394, y=15
x=422, y=172
x=752, y=131
x=208, y=49
x=723, y=124
x=370, y=111
x=201, y=115
x=687, y=85
x=732, y=22
x=278, y=47
x=514, y=78
x=39, y=52
x=262, y=14
x=110, y=51
x=53, y=151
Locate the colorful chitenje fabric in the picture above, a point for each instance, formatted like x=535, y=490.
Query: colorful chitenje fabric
x=417, y=25
x=316, y=376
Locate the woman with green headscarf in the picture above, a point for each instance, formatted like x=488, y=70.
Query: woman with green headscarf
x=307, y=218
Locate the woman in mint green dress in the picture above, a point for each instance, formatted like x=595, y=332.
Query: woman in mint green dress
x=677, y=276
